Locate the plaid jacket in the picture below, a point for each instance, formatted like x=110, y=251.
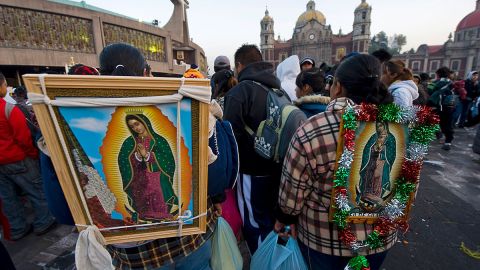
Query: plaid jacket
x=307, y=182
x=161, y=252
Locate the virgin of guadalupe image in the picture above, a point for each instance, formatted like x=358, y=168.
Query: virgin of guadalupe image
x=147, y=168
x=377, y=160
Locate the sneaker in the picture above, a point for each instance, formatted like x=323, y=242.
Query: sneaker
x=47, y=229
x=447, y=146
x=19, y=236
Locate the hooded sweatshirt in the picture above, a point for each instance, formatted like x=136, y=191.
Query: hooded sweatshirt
x=470, y=74
x=15, y=137
x=473, y=90
x=287, y=72
x=245, y=104
x=312, y=104
x=459, y=89
x=403, y=92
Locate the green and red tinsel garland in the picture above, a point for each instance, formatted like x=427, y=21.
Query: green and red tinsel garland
x=423, y=124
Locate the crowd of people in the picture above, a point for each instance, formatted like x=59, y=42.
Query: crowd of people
x=294, y=191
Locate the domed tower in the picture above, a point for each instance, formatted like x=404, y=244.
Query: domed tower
x=312, y=36
x=267, y=37
x=467, y=39
x=361, y=27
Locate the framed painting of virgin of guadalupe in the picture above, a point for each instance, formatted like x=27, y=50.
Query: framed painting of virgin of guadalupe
x=379, y=157
x=130, y=153
x=380, y=148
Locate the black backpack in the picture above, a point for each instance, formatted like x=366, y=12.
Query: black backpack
x=272, y=138
x=448, y=97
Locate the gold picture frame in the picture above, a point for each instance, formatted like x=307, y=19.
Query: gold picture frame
x=72, y=135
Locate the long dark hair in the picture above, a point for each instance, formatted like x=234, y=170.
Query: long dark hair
x=360, y=76
x=224, y=80
x=399, y=68
x=120, y=59
x=313, y=77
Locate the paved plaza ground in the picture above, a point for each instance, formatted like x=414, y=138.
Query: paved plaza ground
x=446, y=213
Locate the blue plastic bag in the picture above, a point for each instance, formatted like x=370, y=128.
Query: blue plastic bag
x=225, y=252
x=295, y=260
x=269, y=255
x=273, y=256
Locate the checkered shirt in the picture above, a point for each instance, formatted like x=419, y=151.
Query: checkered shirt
x=161, y=252
x=307, y=182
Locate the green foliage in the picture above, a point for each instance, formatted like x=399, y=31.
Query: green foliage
x=392, y=44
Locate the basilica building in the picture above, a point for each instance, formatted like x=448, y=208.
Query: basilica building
x=461, y=52
x=313, y=37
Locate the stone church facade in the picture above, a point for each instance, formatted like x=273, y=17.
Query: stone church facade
x=312, y=37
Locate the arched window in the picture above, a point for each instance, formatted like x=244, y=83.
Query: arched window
x=363, y=29
x=455, y=65
x=364, y=15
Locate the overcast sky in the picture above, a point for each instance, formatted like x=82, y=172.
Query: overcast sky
x=221, y=26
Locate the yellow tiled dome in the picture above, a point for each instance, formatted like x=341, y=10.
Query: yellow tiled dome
x=267, y=17
x=362, y=5
x=311, y=15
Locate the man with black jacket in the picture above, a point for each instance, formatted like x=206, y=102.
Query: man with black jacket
x=439, y=90
x=245, y=105
x=473, y=92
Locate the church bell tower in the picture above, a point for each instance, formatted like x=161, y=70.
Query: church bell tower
x=267, y=37
x=361, y=27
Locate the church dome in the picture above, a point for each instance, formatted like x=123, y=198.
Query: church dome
x=267, y=17
x=472, y=20
x=311, y=14
x=363, y=5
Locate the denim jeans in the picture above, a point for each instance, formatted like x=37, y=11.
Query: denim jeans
x=457, y=113
x=197, y=260
x=26, y=175
x=461, y=112
x=466, y=105
x=319, y=261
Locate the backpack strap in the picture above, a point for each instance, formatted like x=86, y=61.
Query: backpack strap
x=247, y=128
x=269, y=90
x=27, y=115
x=277, y=91
x=8, y=109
